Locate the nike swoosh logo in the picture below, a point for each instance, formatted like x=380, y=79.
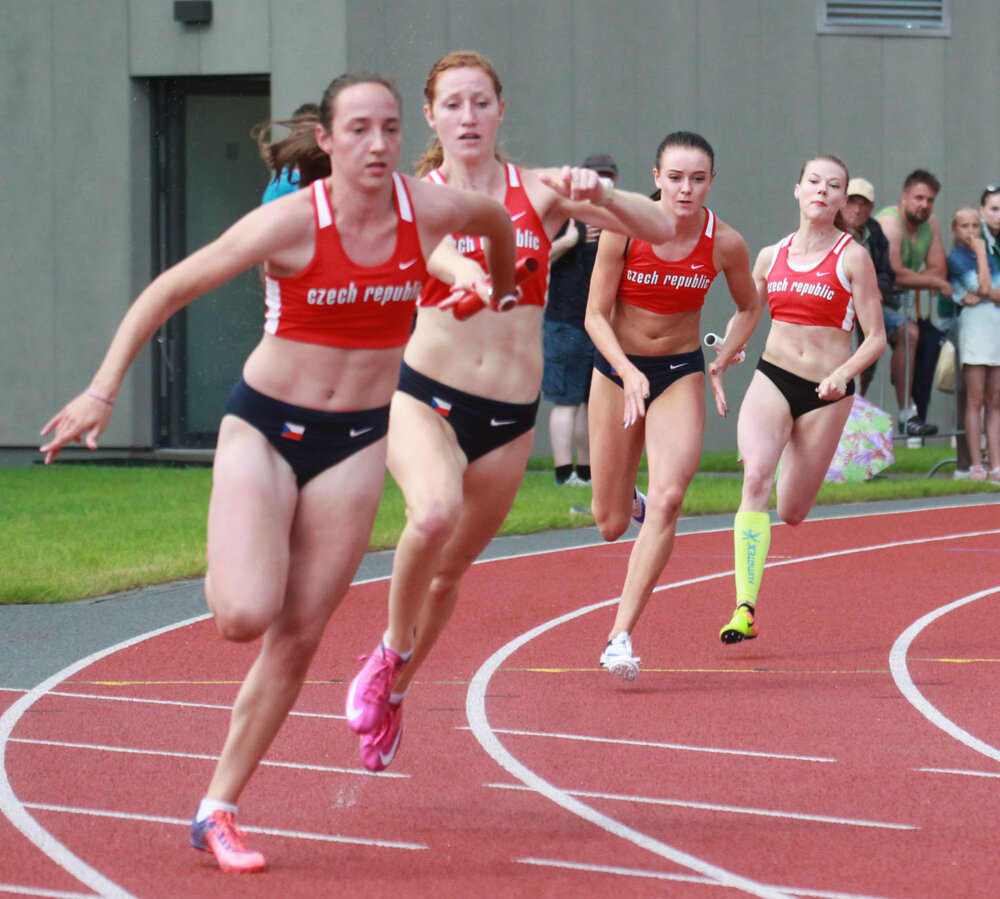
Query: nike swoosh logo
x=680, y=365
x=353, y=711
x=822, y=274
x=357, y=432
x=697, y=266
x=387, y=757
x=405, y=265
x=514, y=218
x=497, y=423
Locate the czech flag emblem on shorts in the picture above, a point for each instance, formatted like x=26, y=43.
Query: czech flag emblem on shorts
x=442, y=407
x=292, y=431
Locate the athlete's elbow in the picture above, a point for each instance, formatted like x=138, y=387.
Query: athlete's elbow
x=662, y=229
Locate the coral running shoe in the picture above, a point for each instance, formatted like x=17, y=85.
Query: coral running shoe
x=368, y=695
x=619, y=659
x=741, y=627
x=219, y=834
x=638, y=507
x=378, y=749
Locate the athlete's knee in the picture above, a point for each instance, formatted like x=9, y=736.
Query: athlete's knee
x=611, y=523
x=793, y=513
x=435, y=522
x=241, y=624
x=664, y=506
x=236, y=618
x=757, y=482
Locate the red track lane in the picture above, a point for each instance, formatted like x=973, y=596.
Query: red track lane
x=793, y=761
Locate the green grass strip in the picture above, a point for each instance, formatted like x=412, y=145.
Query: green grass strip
x=75, y=530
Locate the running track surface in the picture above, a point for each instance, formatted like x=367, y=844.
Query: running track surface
x=852, y=750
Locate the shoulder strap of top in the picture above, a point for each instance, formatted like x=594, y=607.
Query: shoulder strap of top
x=709, y=223
x=403, y=203
x=779, y=247
x=845, y=239
x=324, y=214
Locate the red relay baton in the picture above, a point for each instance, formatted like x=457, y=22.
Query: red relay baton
x=471, y=302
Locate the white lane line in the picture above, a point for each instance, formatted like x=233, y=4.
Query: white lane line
x=475, y=709
x=901, y=675
x=775, y=522
x=183, y=822
x=616, y=870
x=475, y=706
x=198, y=756
x=48, y=894
x=713, y=807
x=15, y=810
x=678, y=878
x=181, y=704
x=655, y=745
x=959, y=771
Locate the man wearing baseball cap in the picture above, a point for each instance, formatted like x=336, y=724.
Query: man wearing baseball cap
x=602, y=164
x=867, y=232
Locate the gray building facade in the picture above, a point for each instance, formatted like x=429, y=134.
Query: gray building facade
x=125, y=144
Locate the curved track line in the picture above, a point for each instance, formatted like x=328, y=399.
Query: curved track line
x=475, y=710
x=901, y=675
x=14, y=809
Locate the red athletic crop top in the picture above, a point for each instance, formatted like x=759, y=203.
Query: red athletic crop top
x=652, y=283
x=819, y=295
x=333, y=302
x=529, y=236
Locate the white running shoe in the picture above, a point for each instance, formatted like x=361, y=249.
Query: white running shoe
x=638, y=507
x=618, y=658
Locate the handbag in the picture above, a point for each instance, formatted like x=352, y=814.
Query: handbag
x=944, y=371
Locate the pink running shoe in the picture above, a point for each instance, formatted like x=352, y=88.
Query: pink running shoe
x=378, y=749
x=219, y=834
x=368, y=695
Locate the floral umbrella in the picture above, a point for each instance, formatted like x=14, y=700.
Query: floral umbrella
x=865, y=447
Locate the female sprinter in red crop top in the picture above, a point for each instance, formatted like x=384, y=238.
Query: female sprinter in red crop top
x=301, y=453
x=816, y=281
x=462, y=418
x=644, y=314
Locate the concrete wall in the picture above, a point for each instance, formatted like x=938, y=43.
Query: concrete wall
x=580, y=76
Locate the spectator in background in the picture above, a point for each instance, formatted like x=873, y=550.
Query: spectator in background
x=569, y=351
x=285, y=180
x=975, y=276
x=948, y=315
x=989, y=213
x=916, y=252
x=857, y=215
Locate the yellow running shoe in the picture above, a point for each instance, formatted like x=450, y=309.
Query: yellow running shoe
x=740, y=627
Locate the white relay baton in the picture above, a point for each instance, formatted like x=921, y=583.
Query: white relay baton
x=713, y=340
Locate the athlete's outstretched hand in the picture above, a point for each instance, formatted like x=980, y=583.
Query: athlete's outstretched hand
x=85, y=415
x=577, y=184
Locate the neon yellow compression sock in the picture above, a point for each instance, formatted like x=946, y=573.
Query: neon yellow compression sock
x=752, y=538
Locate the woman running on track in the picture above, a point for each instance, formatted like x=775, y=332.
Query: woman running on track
x=644, y=316
x=301, y=451
x=462, y=418
x=816, y=281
